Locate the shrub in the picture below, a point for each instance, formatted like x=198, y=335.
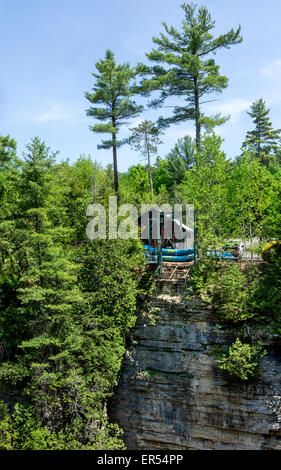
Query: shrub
x=241, y=360
x=232, y=295
x=267, y=300
x=227, y=288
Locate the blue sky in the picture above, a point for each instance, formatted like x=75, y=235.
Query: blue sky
x=48, y=50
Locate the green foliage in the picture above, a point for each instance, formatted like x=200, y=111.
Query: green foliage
x=181, y=158
x=201, y=274
x=228, y=288
x=251, y=195
x=185, y=149
x=263, y=139
x=73, y=188
x=241, y=360
x=271, y=227
x=134, y=186
x=21, y=430
x=205, y=186
x=70, y=367
x=153, y=315
x=8, y=148
x=65, y=309
x=144, y=139
x=188, y=70
x=106, y=277
x=232, y=293
x=112, y=91
x=232, y=199
x=163, y=181
x=267, y=299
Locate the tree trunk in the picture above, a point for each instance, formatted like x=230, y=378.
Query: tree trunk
x=115, y=170
x=114, y=149
x=149, y=166
x=197, y=113
x=251, y=242
x=95, y=186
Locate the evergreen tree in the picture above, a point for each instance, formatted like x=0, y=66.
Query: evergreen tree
x=33, y=247
x=8, y=148
x=185, y=148
x=263, y=138
x=181, y=157
x=9, y=210
x=112, y=91
x=65, y=311
x=74, y=187
x=144, y=139
x=188, y=69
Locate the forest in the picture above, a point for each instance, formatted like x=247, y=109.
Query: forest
x=68, y=303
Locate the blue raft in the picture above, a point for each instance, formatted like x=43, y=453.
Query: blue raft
x=178, y=253
x=173, y=255
x=223, y=254
x=171, y=251
x=178, y=258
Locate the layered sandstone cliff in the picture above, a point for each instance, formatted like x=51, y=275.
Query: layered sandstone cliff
x=171, y=394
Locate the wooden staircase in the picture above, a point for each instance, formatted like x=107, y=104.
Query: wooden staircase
x=174, y=278
x=173, y=271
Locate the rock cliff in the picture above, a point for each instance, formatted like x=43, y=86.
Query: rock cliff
x=171, y=394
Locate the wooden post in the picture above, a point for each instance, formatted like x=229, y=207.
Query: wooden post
x=159, y=249
x=195, y=239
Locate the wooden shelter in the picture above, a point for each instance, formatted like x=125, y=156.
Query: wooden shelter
x=168, y=229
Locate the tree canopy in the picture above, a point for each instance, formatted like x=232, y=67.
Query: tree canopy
x=188, y=69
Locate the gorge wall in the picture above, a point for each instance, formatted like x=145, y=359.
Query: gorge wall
x=171, y=394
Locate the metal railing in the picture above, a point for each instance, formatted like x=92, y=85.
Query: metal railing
x=155, y=257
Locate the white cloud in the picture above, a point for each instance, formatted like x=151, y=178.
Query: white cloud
x=233, y=106
x=272, y=70
x=53, y=111
x=47, y=111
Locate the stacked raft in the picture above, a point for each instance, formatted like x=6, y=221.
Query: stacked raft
x=173, y=255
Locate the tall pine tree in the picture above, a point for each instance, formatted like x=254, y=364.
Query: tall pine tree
x=263, y=138
x=188, y=70
x=112, y=91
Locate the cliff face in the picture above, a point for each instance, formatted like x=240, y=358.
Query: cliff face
x=171, y=395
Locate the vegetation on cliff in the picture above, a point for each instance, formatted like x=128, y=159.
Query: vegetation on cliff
x=242, y=296
x=66, y=305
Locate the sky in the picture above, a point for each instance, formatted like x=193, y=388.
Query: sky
x=49, y=48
